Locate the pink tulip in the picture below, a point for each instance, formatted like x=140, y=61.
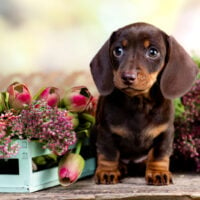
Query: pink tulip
x=70, y=168
x=19, y=95
x=50, y=95
x=77, y=99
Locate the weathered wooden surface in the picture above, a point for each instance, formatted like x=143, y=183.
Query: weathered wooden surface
x=185, y=187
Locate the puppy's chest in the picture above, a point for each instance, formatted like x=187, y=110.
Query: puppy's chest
x=139, y=126
x=134, y=137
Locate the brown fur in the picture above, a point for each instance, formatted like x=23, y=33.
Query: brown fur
x=157, y=171
x=108, y=171
x=124, y=43
x=146, y=43
x=154, y=131
x=137, y=72
x=118, y=130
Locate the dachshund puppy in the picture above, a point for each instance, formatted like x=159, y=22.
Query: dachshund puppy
x=138, y=71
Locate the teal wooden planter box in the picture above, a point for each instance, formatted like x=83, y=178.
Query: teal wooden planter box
x=25, y=180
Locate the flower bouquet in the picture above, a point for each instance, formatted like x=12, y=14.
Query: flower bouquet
x=60, y=126
x=187, y=129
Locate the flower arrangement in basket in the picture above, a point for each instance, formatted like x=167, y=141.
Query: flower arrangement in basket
x=187, y=128
x=57, y=123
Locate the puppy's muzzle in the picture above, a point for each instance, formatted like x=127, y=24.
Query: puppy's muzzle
x=128, y=77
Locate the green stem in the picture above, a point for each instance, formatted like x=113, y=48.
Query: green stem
x=78, y=147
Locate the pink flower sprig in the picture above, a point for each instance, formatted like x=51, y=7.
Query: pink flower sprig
x=7, y=147
x=187, y=127
x=51, y=126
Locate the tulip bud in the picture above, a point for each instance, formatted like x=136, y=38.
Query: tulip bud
x=70, y=168
x=77, y=99
x=50, y=95
x=19, y=95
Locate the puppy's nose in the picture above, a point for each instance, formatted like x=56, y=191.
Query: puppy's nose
x=128, y=78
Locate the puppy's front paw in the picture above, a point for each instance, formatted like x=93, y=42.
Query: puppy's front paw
x=158, y=177
x=103, y=176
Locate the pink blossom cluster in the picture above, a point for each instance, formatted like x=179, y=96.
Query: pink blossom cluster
x=7, y=147
x=50, y=126
x=187, y=140
x=45, y=117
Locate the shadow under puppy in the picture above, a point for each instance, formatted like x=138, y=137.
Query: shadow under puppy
x=138, y=71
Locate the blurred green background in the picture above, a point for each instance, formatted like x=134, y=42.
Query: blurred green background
x=64, y=35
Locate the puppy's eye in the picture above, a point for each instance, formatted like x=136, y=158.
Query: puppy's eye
x=118, y=52
x=152, y=52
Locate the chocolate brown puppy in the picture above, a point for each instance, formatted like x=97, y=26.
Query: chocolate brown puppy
x=138, y=71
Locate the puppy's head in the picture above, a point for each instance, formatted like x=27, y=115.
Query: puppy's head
x=133, y=58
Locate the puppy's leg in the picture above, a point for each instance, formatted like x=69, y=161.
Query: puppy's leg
x=157, y=166
x=157, y=171
x=107, y=171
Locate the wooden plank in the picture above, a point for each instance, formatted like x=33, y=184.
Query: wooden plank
x=185, y=187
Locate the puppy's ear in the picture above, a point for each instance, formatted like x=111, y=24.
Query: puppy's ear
x=101, y=69
x=179, y=73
